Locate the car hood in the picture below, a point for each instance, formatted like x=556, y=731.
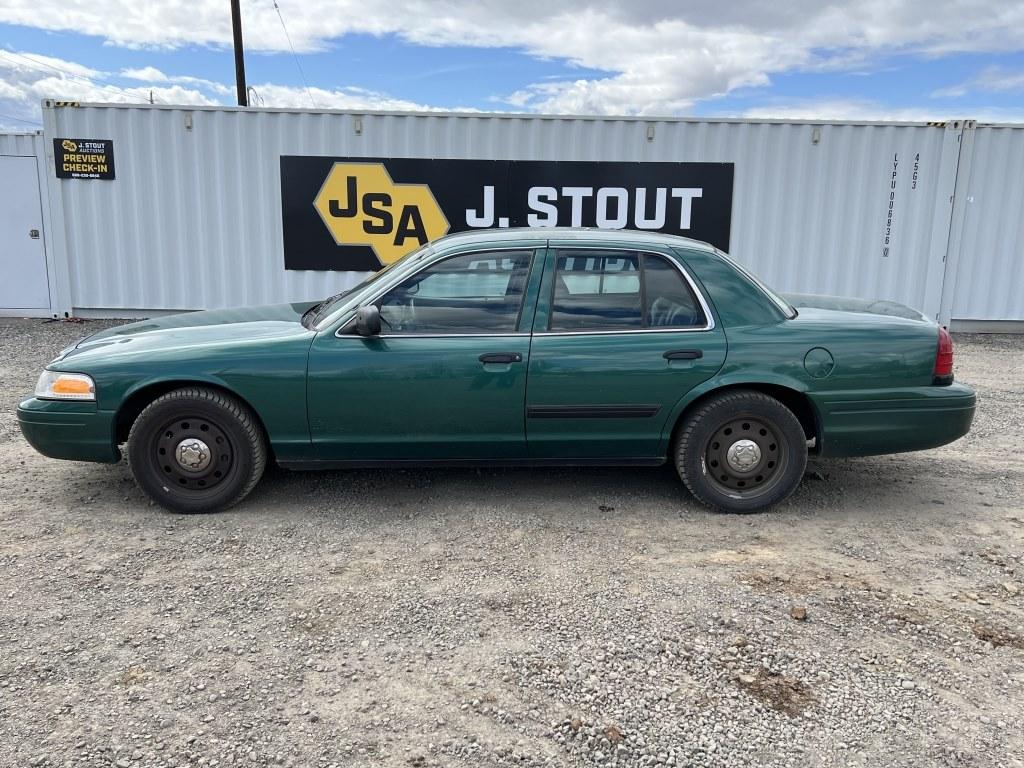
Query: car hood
x=196, y=328
x=859, y=306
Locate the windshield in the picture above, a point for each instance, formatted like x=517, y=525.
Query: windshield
x=319, y=311
x=786, y=308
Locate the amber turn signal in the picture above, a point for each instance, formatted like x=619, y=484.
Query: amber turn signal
x=57, y=385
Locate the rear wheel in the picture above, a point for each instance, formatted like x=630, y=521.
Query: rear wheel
x=196, y=450
x=741, y=451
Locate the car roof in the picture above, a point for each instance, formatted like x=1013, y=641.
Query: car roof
x=582, y=234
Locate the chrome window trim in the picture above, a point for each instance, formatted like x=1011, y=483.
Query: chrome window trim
x=709, y=326
x=625, y=331
x=347, y=306
x=532, y=248
x=435, y=335
x=708, y=316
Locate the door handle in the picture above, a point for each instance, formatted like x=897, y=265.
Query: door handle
x=683, y=354
x=501, y=357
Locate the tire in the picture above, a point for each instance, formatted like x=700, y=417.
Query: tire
x=189, y=424
x=741, y=451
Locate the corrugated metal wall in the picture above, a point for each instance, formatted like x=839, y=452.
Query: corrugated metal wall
x=21, y=144
x=194, y=217
x=988, y=225
x=33, y=145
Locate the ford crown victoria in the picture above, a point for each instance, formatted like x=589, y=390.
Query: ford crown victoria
x=510, y=347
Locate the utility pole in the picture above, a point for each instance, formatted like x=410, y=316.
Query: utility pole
x=236, y=29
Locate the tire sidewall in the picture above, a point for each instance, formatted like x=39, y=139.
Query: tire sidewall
x=146, y=470
x=693, y=442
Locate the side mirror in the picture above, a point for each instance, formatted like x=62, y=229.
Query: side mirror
x=368, y=320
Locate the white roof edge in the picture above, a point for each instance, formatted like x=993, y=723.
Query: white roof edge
x=53, y=104
x=572, y=233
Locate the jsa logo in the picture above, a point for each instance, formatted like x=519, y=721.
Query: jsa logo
x=361, y=205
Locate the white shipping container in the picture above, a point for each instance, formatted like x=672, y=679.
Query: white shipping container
x=194, y=217
x=985, y=280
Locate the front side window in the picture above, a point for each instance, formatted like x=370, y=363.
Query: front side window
x=620, y=290
x=471, y=293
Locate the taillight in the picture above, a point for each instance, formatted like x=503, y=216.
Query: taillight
x=943, y=373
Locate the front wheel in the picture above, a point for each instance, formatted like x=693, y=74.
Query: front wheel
x=741, y=451
x=196, y=450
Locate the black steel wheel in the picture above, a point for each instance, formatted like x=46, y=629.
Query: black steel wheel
x=741, y=451
x=193, y=452
x=196, y=450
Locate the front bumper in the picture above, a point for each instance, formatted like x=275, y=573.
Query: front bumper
x=866, y=423
x=68, y=430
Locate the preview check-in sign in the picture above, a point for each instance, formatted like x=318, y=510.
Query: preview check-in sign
x=363, y=213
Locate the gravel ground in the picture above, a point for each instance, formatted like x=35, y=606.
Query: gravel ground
x=557, y=617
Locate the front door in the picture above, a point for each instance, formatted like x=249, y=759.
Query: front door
x=446, y=378
x=619, y=338
x=22, y=255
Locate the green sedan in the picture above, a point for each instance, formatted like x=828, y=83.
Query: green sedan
x=510, y=347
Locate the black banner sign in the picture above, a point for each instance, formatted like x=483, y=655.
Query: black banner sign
x=84, y=158
x=362, y=213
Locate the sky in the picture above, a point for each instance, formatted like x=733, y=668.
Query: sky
x=808, y=59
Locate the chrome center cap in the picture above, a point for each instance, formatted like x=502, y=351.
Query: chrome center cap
x=193, y=454
x=743, y=455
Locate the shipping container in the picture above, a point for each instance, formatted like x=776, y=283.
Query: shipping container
x=27, y=270
x=194, y=214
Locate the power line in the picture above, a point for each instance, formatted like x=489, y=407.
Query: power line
x=98, y=82
x=294, y=56
x=21, y=120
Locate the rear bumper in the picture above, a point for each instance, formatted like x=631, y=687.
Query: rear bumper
x=68, y=430
x=860, y=423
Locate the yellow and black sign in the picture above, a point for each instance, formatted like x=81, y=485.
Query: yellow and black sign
x=84, y=158
x=347, y=213
x=361, y=205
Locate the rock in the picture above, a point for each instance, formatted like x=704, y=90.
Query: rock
x=798, y=612
x=1010, y=587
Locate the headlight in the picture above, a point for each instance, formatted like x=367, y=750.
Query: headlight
x=57, y=385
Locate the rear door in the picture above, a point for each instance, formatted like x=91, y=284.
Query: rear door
x=619, y=337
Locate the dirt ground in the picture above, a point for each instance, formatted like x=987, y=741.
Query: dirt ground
x=520, y=617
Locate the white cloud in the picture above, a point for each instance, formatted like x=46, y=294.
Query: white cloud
x=145, y=74
x=989, y=80
x=24, y=60
x=659, y=56
x=28, y=78
x=275, y=95
x=153, y=75
x=859, y=109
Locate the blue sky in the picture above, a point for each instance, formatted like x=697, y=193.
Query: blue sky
x=655, y=57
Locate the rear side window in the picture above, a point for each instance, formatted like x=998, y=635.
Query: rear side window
x=596, y=290
x=620, y=290
x=668, y=300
